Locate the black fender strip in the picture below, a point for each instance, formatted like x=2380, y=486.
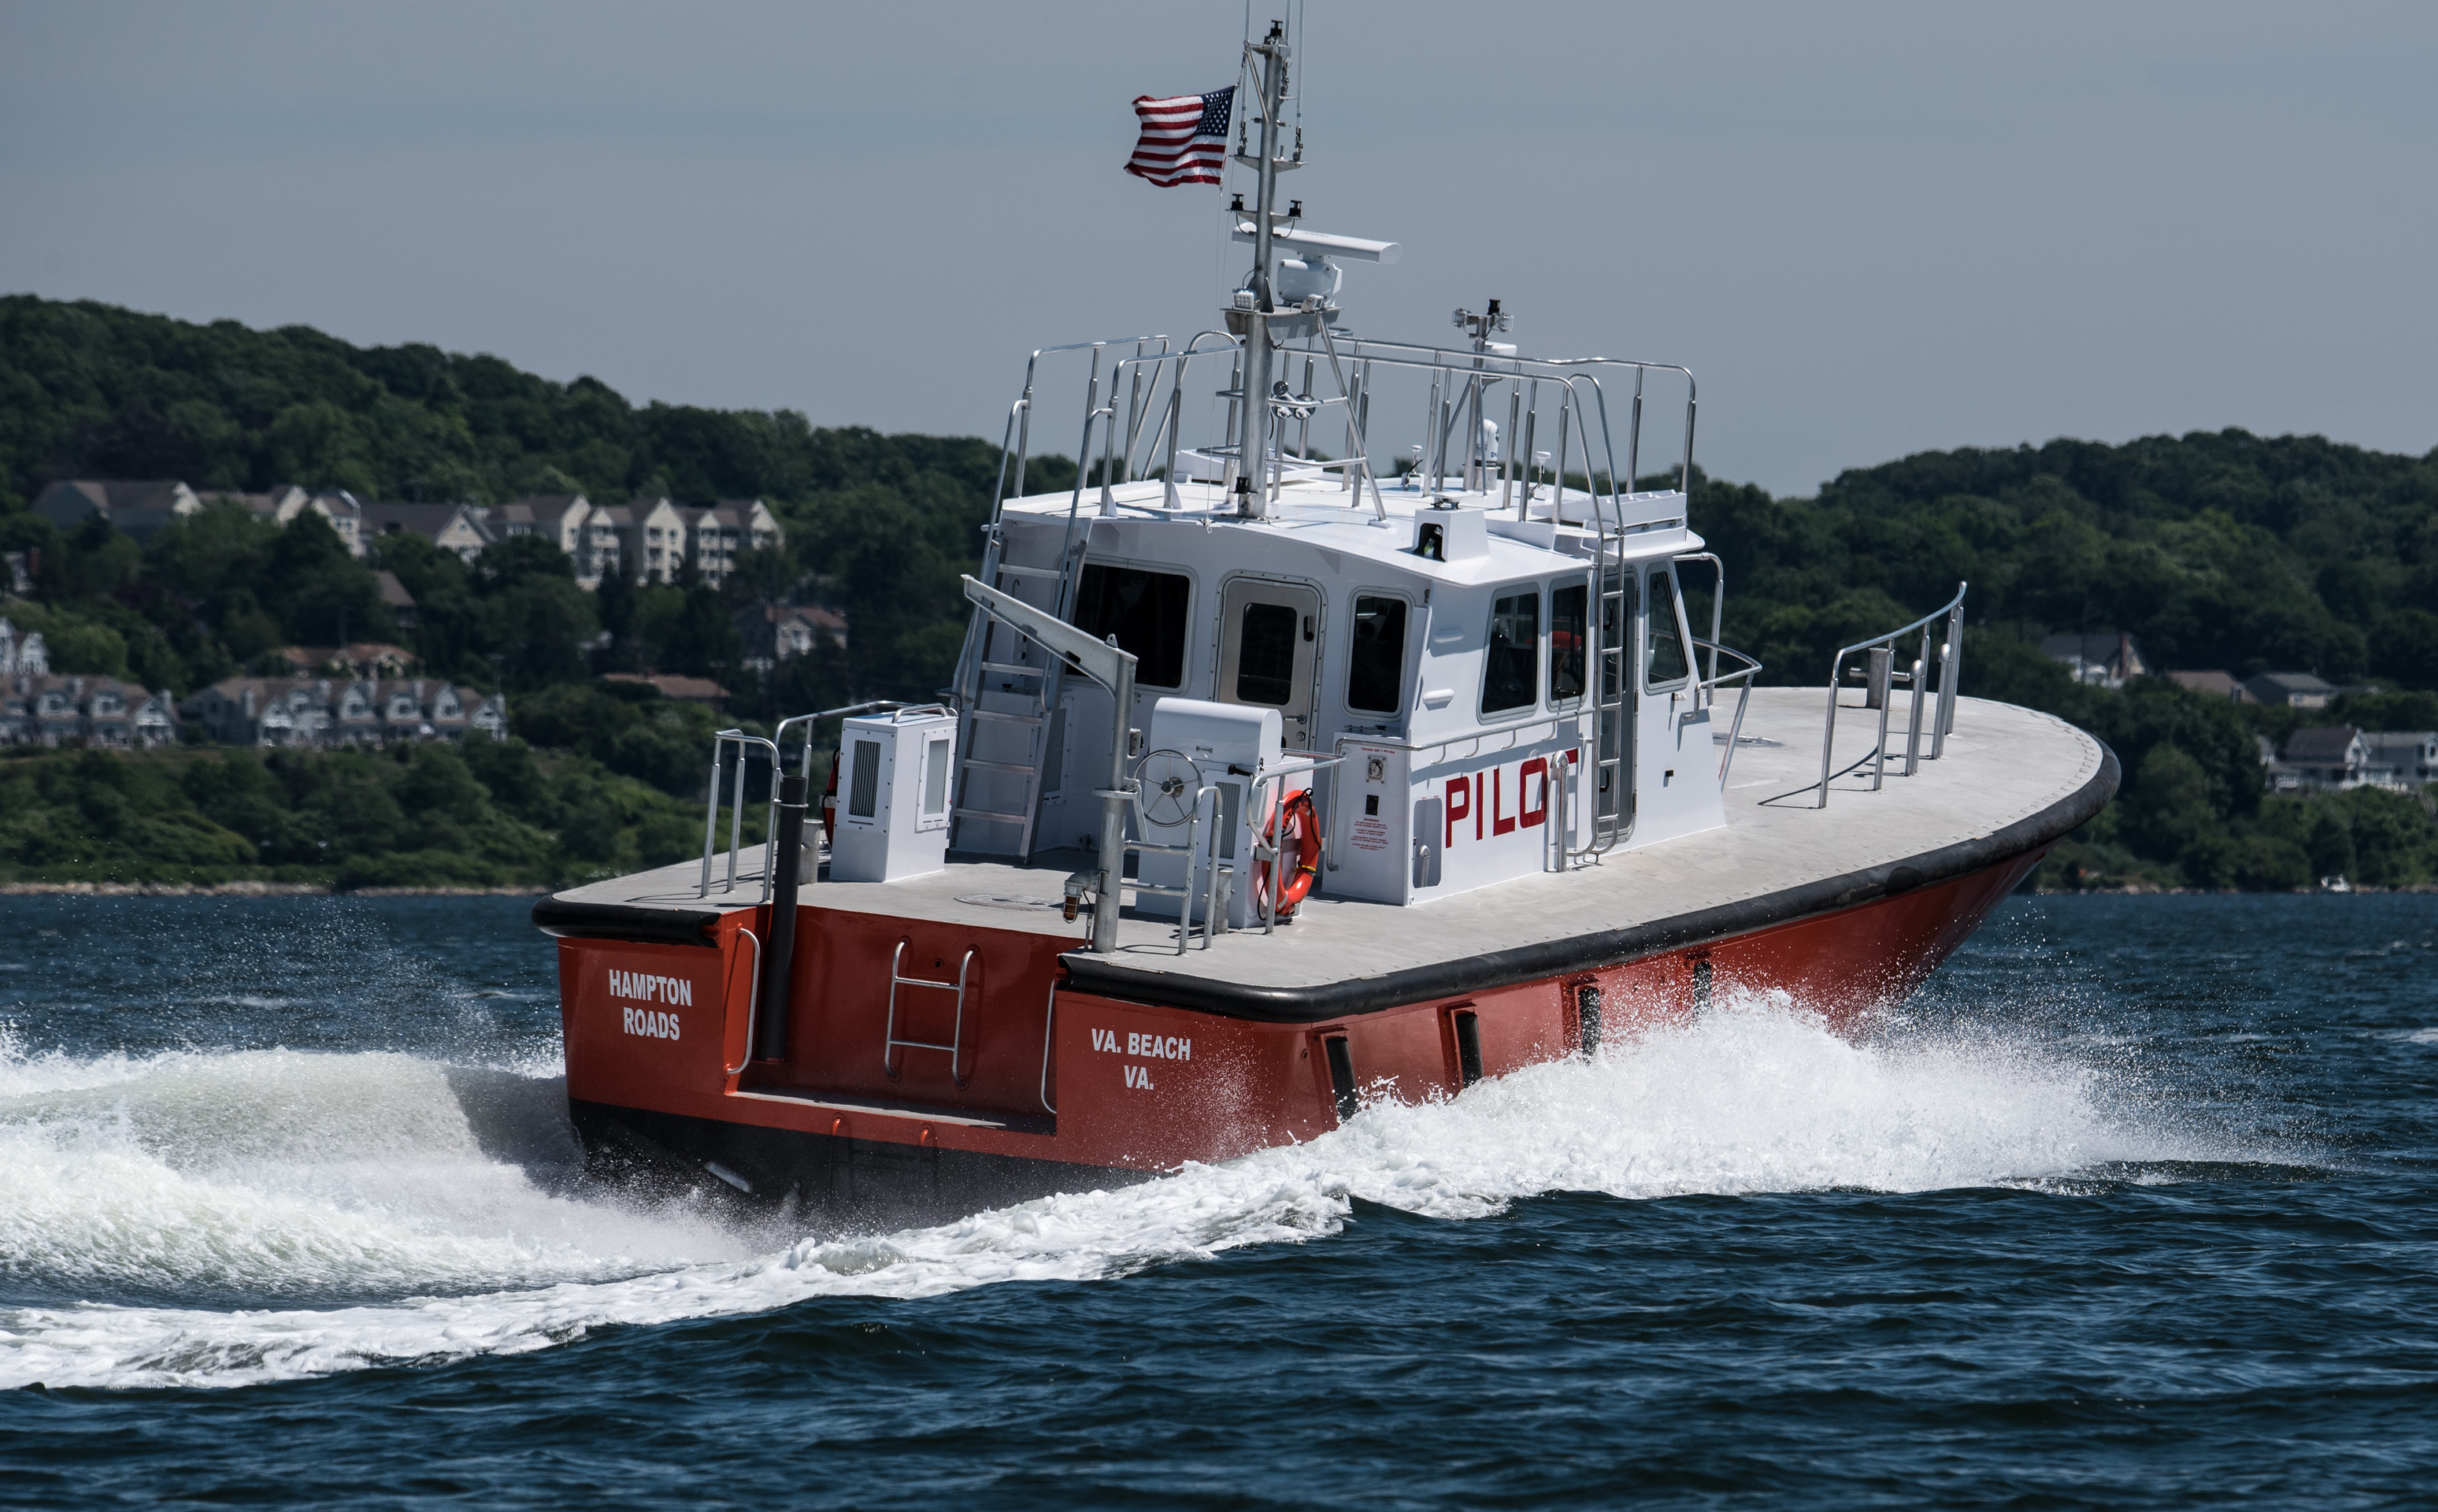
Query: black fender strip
x=1100, y=975
x=624, y=921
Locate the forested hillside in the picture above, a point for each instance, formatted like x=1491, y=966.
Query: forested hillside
x=2218, y=549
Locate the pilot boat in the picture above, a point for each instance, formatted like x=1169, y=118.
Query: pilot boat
x=1281, y=775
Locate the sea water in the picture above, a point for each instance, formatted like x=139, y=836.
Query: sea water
x=2133, y=1205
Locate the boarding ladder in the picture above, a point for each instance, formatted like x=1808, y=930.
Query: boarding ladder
x=1004, y=652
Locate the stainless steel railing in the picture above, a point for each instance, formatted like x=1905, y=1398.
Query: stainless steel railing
x=1742, y=678
x=744, y=745
x=771, y=750
x=1880, y=677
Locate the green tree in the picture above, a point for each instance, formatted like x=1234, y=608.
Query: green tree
x=2404, y=645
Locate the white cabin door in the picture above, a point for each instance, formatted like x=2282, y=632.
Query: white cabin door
x=1269, y=651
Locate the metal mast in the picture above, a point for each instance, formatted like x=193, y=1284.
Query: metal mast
x=1252, y=450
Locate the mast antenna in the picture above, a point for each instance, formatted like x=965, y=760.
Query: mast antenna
x=1252, y=442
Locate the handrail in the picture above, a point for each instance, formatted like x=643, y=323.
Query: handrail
x=1717, y=605
x=869, y=706
x=719, y=743
x=1949, y=662
x=1744, y=679
x=752, y=1003
x=1261, y=800
x=1048, y=1023
x=1201, y=852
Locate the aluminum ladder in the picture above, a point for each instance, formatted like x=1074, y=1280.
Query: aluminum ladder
x=1044, y=680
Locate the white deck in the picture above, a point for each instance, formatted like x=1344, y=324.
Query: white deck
x=2003, y=766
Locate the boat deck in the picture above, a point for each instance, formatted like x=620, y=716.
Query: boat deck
x=2010, y=779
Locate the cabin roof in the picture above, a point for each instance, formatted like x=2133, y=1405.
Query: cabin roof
x=1322, y=516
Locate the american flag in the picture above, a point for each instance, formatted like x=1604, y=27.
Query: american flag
x=1184, y=137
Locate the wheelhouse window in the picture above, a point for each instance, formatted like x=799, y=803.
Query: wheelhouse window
x=1266, y=655
x=1511, y=673
x=1145, y=610
x=1570, y=631
x=1375, y=665
x=1663, y=659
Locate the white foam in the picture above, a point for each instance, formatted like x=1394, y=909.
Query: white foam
x=362, y=1177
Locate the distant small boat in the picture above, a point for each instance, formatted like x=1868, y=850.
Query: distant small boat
x=2336, y=884
x=1273, y=784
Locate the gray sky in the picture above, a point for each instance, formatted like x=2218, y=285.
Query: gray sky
x=1871, y=229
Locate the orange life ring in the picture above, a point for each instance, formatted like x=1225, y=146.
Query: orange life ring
x=1298, y=812
x=829, y=807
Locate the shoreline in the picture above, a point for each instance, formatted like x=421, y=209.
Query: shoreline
x=247, y=889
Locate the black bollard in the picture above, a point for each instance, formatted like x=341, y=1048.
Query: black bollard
x=779, y=952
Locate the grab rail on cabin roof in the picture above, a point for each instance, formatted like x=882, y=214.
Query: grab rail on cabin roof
x=1879, y=675
x=1476, y=369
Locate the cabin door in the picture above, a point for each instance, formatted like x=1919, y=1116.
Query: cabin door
x=1269, y=651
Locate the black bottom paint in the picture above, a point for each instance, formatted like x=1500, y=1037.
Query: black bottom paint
x=838, y=1176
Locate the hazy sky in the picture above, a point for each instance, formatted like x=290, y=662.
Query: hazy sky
x=1870, y=229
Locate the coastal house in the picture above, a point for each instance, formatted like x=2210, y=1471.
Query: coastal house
x=462, y=529
x=2107, y=660
x=140, y=508
x=604, y=537
x=346, y=515
x=2215, y=684
x=715, y=536
x=654, y=542
x=394, y=597
x=557, y=517
x=357, y=658
x=2326, y=756
x=280, y=505
x=270, y=711
x=2400, y=758
x=2294, y=689
x=321, y=712
x=769, y=634
x=44, y=710
x=277, y=504
x=22, y=652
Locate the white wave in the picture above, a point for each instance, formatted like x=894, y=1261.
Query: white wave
x=364, y=1175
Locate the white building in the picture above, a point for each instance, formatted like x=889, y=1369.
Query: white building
x=22, y=654
x=717, y=534
x=2400, y=758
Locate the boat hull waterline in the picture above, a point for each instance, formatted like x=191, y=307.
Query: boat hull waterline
x=1056, y=1085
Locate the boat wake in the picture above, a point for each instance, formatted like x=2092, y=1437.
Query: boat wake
x=222, y=1219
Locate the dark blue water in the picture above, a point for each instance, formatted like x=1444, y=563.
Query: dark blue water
x=2133, y=1207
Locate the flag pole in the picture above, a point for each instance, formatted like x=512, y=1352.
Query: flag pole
x=1252, y=451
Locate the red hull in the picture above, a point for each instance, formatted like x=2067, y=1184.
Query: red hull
x=651, y=1030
